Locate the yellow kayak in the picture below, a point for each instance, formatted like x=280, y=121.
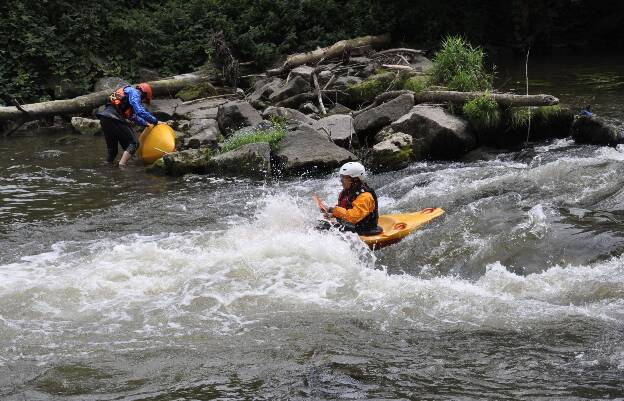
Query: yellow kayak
x=398, y=226
x=155, y=142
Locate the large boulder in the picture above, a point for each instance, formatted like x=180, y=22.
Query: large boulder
x=303, y=71
x=197, y=91
x=437, y=133
x=339, y=127
x=595, y=130
x=371, y=121
x=184, y=162
x=250, y=160
x=86, y=126
x=235, y=115
x=202, y=132
x=421, y=63
x=291, y=88
x=205, y=108
x=164, y=109
x=288, y=114
x=263, y=89
x=393, y=153
x=306, y=151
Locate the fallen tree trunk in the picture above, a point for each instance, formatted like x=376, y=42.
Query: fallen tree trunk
x=505, y=99
x=91, y=101
x=335, y=50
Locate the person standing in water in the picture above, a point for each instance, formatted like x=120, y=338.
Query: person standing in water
x=125, y=105
x=357, y=209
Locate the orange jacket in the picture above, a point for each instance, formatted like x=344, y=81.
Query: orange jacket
x=362, y=206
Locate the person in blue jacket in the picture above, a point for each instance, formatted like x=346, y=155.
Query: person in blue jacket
x=586, y=111
x=125, y=105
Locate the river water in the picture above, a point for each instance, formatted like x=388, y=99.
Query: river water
x=119, y=285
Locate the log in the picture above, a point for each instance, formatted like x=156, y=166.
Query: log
x=91, y=101
x=504, y=99
x=399, y=50
x=335, y=50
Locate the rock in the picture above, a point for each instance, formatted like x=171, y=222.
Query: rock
x=237, y=114
x=309, y=108
x=205, y=108
x=324, y=77
x=199, y=91
x=394, y=153
x=368, y=89
x=67, y=89
x=421, y=63
x=263, y=89
x=371, y=121
x=339, y=127
x=66, y=140
x=481, y=153
x=164, y=109
x=50, y=154
x=305, y=151
x=109, y=84
x=303, y=71
x=86, y=126
x=339, y=109
x=384, y=134
x=185, y=162
x=443, y=135
x=551, y=122
x=595, y=130
x=344, y=82
x=293, y=87
x=202, y=132
x=288, y=114
x=360, y=60
x=250, y=160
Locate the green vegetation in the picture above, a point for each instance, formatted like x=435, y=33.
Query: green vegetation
x=459, y=66
x=483, y=112
x=519, y=117
x=204, y=89
x=372, y=86
x=273, y=135
x=546, y=113
x=416, y=83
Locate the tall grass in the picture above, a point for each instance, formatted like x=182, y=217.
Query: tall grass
x=273, y=135
x=459, y=66
x=483, y=112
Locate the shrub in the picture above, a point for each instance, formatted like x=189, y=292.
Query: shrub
x=459, y=66
x=273, y=135
x=483, y=112
x=519, y=117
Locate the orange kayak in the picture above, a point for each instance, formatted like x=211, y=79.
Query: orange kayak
x=398, y=226
x=156, y=142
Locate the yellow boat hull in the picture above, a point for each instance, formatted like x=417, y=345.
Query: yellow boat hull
x=156, y=142
x=398, y=226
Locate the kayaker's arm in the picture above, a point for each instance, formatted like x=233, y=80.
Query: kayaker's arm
x=362, y=206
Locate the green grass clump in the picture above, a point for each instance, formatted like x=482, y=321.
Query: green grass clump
x=416, y=83
x=519, y=117
x=459, y=66
x=483, y=112
x=273, y=135
x=372, y=86
x=548, y=112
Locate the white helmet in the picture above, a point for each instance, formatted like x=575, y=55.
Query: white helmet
x=353, y=170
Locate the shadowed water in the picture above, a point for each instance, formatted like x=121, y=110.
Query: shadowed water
x=118, y=285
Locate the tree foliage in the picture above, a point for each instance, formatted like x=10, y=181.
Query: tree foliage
x=44, y=43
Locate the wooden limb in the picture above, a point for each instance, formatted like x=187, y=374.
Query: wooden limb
x=319, y=94
x=505, y=99
x=93, y=100
x=397, y=67
x=399, y=50
x=335, y=50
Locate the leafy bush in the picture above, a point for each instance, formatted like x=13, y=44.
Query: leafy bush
x=273, y=135
x=519, y=117
x=459, y=66
x=483, y=112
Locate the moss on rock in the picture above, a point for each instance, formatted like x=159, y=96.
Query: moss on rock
x=199, y=91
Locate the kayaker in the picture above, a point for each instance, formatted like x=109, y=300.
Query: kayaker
x=357, y=209
x=125, y=105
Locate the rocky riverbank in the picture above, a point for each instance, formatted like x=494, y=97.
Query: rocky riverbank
x=372, y=106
